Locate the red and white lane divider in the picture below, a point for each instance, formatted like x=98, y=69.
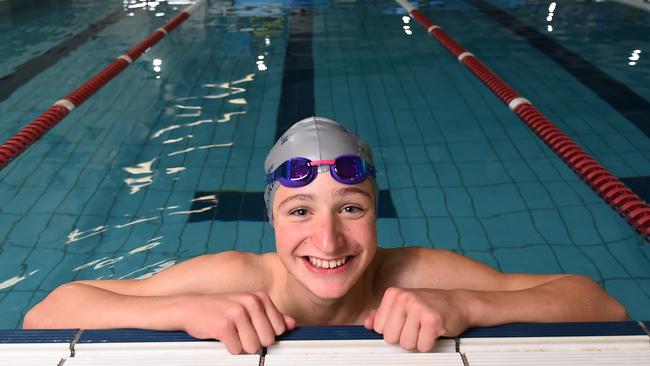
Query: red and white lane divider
x=629, y=205
x=60, y=109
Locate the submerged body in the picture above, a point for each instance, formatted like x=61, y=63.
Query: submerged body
x=327, y=270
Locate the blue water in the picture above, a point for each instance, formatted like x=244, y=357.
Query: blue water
x=165, y=162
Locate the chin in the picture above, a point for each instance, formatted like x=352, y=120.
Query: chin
x=329, y=292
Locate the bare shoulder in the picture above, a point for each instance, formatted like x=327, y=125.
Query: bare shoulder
x=419, y=267
x=229, y=271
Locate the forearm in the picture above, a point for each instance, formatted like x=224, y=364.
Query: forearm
x=83, y=306
x=567, y=299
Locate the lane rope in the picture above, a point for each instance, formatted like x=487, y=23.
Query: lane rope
x=621, y=198
x=13, y=147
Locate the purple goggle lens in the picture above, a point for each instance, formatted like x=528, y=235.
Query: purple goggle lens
x=298, y=172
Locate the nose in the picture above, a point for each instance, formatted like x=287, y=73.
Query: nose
x=328, y=233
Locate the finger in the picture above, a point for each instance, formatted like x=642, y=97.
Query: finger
x=370, y=320
x=259, y=318
x=394, y=325
x=274, y=315
x=409, y=337
x=384, y=310
x=248, y=336
x=230, y=340
x=289, y=322
x=427, y=337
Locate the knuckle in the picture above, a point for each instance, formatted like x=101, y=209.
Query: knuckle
x=403, y=296
x=224, y=325
x=431, y=320
x=392, y=291
x=238, y=311
x=253, y=302
x=248, y=298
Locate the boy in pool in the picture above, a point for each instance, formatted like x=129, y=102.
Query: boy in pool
x=321, y=198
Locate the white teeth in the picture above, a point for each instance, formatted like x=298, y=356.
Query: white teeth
x=323, y=263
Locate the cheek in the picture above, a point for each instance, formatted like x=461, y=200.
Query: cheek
x=365, y=234
x=287, y=238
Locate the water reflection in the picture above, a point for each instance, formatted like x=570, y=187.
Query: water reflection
x=14, y=280
x=145, y=219
x=174, y=170
x=636, y=55
x=260, y=63
x=549, y=17
x=238, y=101
x=231, y=90
x=109, y=262
x=141, y=168
x=171, y=141
x=77, y=235
x=199, y=122
x=193, y=111
x=157, y=267
x=190, y=149
x=162, y=131
x=407, y=28
x=189, y=113
x=137, y=183
x=150, y=245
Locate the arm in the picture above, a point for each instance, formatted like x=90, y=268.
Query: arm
x=493, y=297
x=207, y=297
x=558, y=298
x=445, y=293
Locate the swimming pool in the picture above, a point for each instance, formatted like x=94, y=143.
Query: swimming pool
x=165, y=162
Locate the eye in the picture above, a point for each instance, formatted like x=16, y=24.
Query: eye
x=352, y=209
x=299, y=212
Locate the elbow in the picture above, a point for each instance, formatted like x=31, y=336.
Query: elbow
x=619, y=312
x=34, y=318
x=611, y=309
x=44, y=314
x=615, y=311
x=28, y=320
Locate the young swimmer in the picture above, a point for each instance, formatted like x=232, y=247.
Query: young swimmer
x=321, y=199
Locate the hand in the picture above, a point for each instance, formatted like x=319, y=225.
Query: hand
x=415, y=318
x=241, y=321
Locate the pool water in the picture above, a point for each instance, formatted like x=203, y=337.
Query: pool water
x=165, y=162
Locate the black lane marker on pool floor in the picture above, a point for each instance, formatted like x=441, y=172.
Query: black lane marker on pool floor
x=628, y=103
x=296, y=102
x=297, y=95
x=34, y=66
x=249, y=206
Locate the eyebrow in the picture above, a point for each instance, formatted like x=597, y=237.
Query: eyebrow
x=307, y=197
x=351, y=190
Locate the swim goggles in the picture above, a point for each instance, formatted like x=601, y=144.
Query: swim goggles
x=298, y=172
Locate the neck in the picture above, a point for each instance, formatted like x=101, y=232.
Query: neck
x=309, y=309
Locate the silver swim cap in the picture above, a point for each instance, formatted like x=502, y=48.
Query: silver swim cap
x=314, y=138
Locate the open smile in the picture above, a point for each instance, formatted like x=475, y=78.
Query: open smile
x=321, y=265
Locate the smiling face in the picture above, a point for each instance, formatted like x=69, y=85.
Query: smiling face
x=325, y=234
